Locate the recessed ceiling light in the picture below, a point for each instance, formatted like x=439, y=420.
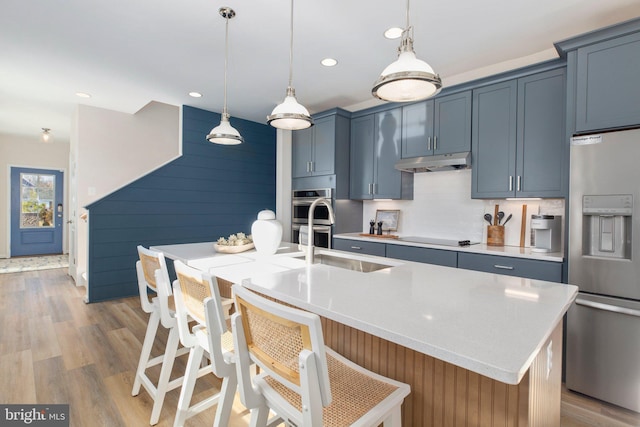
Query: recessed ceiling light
x=195, y=94
x=83, y=95
x=393, y=33
x=329, y=62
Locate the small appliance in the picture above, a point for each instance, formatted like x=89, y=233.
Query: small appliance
x=546, y=231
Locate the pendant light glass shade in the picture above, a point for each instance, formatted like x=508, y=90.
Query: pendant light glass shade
x=224, y=133
x=290, y=115
x=408, y=78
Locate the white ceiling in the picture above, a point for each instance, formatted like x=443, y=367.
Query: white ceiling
x=126, y=53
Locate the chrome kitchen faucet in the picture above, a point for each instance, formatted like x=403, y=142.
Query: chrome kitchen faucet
x=310, y=251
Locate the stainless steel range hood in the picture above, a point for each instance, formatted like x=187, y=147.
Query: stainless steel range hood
x=442, y=162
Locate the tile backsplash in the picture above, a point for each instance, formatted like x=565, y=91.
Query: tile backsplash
x=442, y=207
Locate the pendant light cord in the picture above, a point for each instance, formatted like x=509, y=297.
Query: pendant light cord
x=226, y=54
x=407, y=14
x=291, y=50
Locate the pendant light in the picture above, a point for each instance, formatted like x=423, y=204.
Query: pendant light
x=224, y=133
x=408, y=78
x=290, y=115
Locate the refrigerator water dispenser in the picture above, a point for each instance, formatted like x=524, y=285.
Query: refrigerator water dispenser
x=607, y=225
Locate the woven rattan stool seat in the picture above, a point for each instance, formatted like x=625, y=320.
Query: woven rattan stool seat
x=354, y=394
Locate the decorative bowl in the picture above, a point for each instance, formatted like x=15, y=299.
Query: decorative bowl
x=225, y=249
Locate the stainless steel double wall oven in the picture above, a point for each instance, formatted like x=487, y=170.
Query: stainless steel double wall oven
x=322, y=229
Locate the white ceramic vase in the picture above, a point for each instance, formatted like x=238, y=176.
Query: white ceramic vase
x=266, y=232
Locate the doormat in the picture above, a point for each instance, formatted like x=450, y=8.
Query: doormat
x=16, y=265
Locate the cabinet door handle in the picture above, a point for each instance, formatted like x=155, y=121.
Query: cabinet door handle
x=519, y=182
x=503, y=267
x=510, y=182
x=375, y=187
x=370, y=190
x=435, y=142
x=311, y=166
x=428, y=143
x=357, y=248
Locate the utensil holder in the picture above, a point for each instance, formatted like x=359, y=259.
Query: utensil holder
x=495, y=235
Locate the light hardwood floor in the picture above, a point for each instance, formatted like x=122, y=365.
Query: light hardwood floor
x=54, y=348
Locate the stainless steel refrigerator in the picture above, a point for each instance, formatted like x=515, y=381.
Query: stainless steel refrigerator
x=603, y=325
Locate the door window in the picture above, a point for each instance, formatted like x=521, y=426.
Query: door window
x=37, y=195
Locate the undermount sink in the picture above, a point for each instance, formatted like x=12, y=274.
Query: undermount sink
x=348, y=263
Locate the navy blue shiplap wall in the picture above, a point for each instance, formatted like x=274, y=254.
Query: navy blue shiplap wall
x=210, y=191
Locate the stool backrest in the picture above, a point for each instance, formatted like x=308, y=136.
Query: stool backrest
x=280, y=339
x=197, y=297
x=153, y=274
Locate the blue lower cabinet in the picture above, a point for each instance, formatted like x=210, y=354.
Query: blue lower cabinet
x=426, y=255
x=359, y=246
x=527, y=268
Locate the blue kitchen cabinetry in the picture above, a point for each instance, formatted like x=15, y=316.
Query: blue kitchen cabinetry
x=604, y=66
x=511, y=266
x=518, y=137
x=375, y=148
x=437, y=126
x=425, y=255
x=359, y=246
x=519, y=267
x=322, y=149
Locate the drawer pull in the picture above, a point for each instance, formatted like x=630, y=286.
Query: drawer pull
x=356, y=248
x=503, y=267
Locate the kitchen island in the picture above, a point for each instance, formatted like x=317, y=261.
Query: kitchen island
x=477, y=348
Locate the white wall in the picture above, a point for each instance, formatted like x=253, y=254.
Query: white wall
x=442, y=207
x=283, y=182
x=112, y=149
x=28, y=152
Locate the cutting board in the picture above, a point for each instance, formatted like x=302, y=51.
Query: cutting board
x=381, y=236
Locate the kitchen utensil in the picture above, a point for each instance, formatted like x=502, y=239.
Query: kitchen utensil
x=495, y=214
x=500, y=216
x=523, y=225
x=488, y=218
x=507, y=220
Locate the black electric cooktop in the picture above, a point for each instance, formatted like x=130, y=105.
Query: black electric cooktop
x=434, y=241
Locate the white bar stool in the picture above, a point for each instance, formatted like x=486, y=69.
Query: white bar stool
x=153, y=275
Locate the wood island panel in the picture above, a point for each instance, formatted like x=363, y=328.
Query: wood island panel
x=443, y=394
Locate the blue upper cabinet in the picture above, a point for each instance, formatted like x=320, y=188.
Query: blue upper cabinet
x=493, y=152
x=417, y=129
x=321, y=149
x=375, y=148
x=437, y=126
x=452, y=122
x=603, y=68
x=518, y=139
x=608, y=90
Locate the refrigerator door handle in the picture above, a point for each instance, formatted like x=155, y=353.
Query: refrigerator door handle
x=608, y=307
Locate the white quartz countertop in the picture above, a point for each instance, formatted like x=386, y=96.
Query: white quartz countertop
x=479, y=248
x=490, y=324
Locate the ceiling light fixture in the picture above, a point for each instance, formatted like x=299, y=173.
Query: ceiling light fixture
x=224, y=133
x=46, y=135
x=393, y=33
x=290, y=115
x=408, y=78
x=329, y=62
x=195, y=94
x=83, y=95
